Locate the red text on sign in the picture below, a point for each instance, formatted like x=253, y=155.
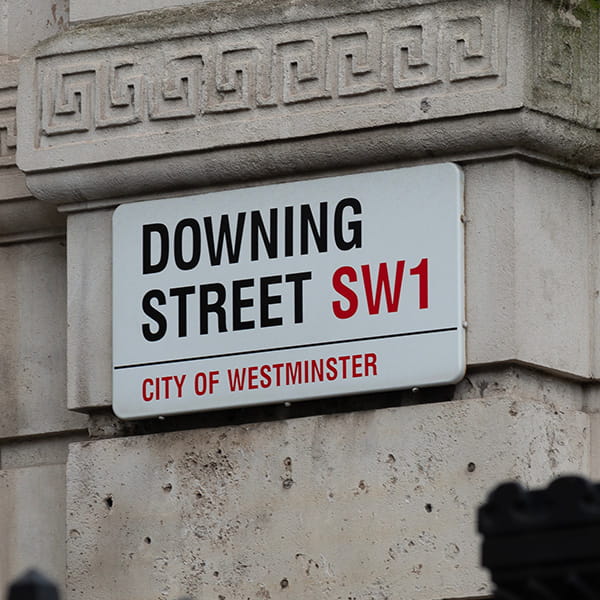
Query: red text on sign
x=205, y=382
x=162, y=388
x=302, y=372
x=381, y=292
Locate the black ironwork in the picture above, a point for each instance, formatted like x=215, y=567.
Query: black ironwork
x=543, y=544
x=33, y=586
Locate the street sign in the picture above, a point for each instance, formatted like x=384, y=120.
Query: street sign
x=331, y=286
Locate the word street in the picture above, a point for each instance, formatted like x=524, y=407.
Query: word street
x=275, y=293
x=250, y=303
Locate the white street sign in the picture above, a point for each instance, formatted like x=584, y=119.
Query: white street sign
x=284, y=292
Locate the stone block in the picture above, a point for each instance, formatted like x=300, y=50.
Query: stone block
x=356, y=505
x=32, y=353
x=529, y=287
x=28, y=452
x=24, y=23
x=595, y=275
x=84, y=10
x=8, y=113
x=25, y=219
x=228, y=91
x=32, y=527
x=21, y=216
x=565, y=65
x=89, y=310
x=170, y=96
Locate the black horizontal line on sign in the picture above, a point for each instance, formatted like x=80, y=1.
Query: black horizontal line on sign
x=312, y=345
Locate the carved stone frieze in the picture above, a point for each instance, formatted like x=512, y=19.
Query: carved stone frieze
x=22, y=217
x=265, y=83
x=8, y=112
x=566, y=50
x=391, y=58
x=197, y=95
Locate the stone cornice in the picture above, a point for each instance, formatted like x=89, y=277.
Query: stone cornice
x=22, y=218
x=512, y=133
x=198, y=96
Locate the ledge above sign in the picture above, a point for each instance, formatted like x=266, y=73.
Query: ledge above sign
x=230, y=92
x=325, y=287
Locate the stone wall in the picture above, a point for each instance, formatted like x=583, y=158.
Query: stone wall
x=365, y=497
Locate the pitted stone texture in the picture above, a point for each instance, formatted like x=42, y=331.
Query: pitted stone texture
x=512, y=380
x=12, y=184
x=32, y=527
x=359, y=505
x=33, y=332
x=89, y=310
x=528, y=266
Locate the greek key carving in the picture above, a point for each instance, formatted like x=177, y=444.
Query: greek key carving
x=8, y=138
x=8, y=125
x=566, y=67
x=68, y=100
x=119, y=95
x=413, y=55
x=471, y=47
x=557, y=44
x=175, y=94
x=232, y=80
x=300, y=69
x=372, y=58
x=357, y=62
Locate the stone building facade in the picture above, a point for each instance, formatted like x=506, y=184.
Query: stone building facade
x=362, y=497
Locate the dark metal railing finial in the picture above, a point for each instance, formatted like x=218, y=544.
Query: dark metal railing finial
x=33, y=585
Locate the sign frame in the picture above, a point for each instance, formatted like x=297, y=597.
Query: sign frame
x=356, y=281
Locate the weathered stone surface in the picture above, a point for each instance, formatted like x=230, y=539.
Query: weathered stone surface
x=24, y=218
x=143, y=89
x=529, y=249
x=356, y=505
x=565, y=64
x=89, y=310
x=595, y=274
x=32, y=353
x=83, y=10
x=211, y=76
x=516, y=381
x=21, y=216
x=47, y=450
x=24, y=23
x=8, y=113
x=12, y=184
x=32, y=527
